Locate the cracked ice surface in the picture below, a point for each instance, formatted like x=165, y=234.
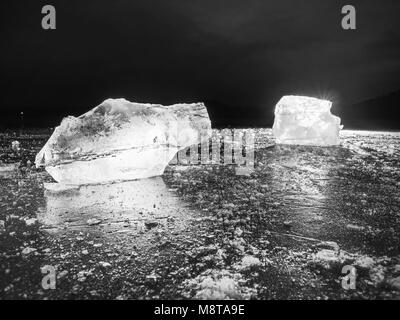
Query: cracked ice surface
x=305, y=121
x=121, y=140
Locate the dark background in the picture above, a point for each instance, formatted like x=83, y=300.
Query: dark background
x=238, y=56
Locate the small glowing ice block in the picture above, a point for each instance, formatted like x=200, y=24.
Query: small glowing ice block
x=305, y=121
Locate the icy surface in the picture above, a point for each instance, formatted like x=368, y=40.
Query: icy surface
x=305, y=121
x=200, y=232
x=120, y=140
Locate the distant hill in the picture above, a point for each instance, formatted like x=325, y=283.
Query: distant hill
x=380, y=113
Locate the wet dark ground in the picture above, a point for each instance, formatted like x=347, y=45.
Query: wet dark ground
x=283, y=232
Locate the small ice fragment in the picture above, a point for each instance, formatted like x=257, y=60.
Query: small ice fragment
x=28, y=250
x=2, y=227
x=31, y=222
x=9, y=167
x=395, y=283
x=355, y=227
x=305, y=121
x=248, y=262
x=93, y=221
x=15, y=145
x=104, y=264
x=59, y=187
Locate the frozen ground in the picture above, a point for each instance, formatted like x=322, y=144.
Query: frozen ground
x=284, y=232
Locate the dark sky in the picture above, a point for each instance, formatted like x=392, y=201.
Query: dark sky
x=239, y=56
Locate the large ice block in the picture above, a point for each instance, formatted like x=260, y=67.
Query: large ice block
x=121, y=140
x=305, y=121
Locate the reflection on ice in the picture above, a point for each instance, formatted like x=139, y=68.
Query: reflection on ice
x=125, y=204
x=301, y=185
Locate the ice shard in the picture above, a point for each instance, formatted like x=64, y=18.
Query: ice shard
x=121, y=140
x=305, y=121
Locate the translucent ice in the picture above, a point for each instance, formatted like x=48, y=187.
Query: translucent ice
x=305, y=121
x=120, y=140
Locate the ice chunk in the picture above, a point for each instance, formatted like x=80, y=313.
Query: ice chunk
x=120, y=140
x=305, y=121
x=59, y=187
x=9, y=167
x=15, y=146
